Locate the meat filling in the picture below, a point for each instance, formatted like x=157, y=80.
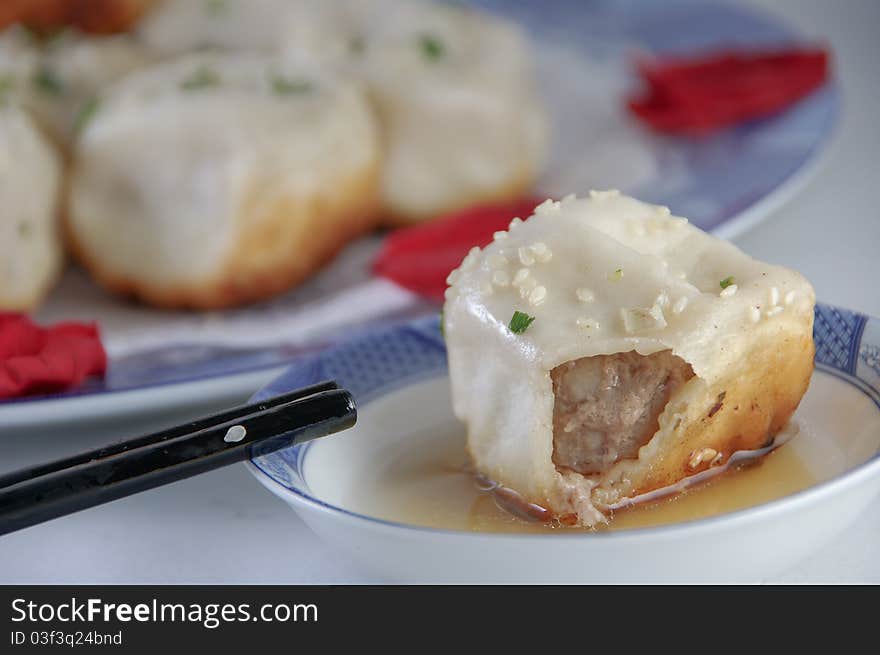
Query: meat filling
x=607, y=407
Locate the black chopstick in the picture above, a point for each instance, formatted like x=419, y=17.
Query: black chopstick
x=51, y=490
x=14, y=477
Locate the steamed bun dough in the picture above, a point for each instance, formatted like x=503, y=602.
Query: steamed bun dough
x=216, y=179
x=177, y=27
x=30, y=179
x=59, y=80
x=630, y=320
x=453, y=88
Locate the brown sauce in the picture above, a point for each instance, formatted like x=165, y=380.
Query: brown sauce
x=431, y=486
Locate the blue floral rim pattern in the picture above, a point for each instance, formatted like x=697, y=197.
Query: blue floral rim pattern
x=373, y=365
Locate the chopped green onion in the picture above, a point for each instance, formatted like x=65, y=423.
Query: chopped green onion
x=216, y=7
x=357, y=45
x=520, y=322
x=616, y=275
x=200, y=79
x=48, y=82
x=432, y=47
x=285, y=87
x=726, y=282
x=86, y=112
x=6, y=84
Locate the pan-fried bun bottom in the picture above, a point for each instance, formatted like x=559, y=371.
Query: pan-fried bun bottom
x=703, y=424
x=280, y=243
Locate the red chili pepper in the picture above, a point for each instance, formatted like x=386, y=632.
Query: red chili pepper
x=700, y=94
x=34, y=359
x=420, y=258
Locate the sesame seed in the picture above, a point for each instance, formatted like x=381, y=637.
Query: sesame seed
x=662, y=210
x=500, y=234
x=525, y=256
x=754, y=314
x=497, y=261
x=537, y=296
x=500, y=278
x=516, y=221
x=541, y=251
x=774, y=296
x=789, y=297
x=773, y=311
x=662, y=299
x=727, y=292
x=520, y=276
x=547, y=206
x=637, y=319
x=526, y=286
x=452, y=278
x=584, y=295
x=600, y=195
x=680, y=305
x=678, y=222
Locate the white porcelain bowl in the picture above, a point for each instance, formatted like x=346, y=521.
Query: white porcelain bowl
x=398, y=377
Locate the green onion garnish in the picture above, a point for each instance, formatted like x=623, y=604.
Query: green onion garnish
x=86, y=112
x=432, y=47
x=200, y=79
x=726, y=282
x=285, y=87
x=48, y=82
x=216, y=7
x=520, y=322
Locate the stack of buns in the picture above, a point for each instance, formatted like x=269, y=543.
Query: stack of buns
x=210, y=153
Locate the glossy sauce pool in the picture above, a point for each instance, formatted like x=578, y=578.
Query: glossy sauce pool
x=431, y=486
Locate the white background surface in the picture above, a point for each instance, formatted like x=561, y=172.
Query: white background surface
x=223, y=527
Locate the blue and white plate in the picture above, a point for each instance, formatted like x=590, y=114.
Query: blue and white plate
x=399, y=379
x=584, y=52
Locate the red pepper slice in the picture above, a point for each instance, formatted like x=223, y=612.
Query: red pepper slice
x=35, y=359
x=420, y=258
x=697, y=95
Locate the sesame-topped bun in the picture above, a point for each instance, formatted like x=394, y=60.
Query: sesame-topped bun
x=176, y=27
x=603, y=349
x=454, y=89
x=30, y=180
x=215, y=179
x=59, y=80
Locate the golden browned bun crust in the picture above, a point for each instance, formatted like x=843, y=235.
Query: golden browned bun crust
x=702, y=426
x=280, y=245
x=93, y=16
x=519, y=187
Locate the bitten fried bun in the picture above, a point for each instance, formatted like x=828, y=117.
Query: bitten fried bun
x=603, y=349
x=214, y=179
